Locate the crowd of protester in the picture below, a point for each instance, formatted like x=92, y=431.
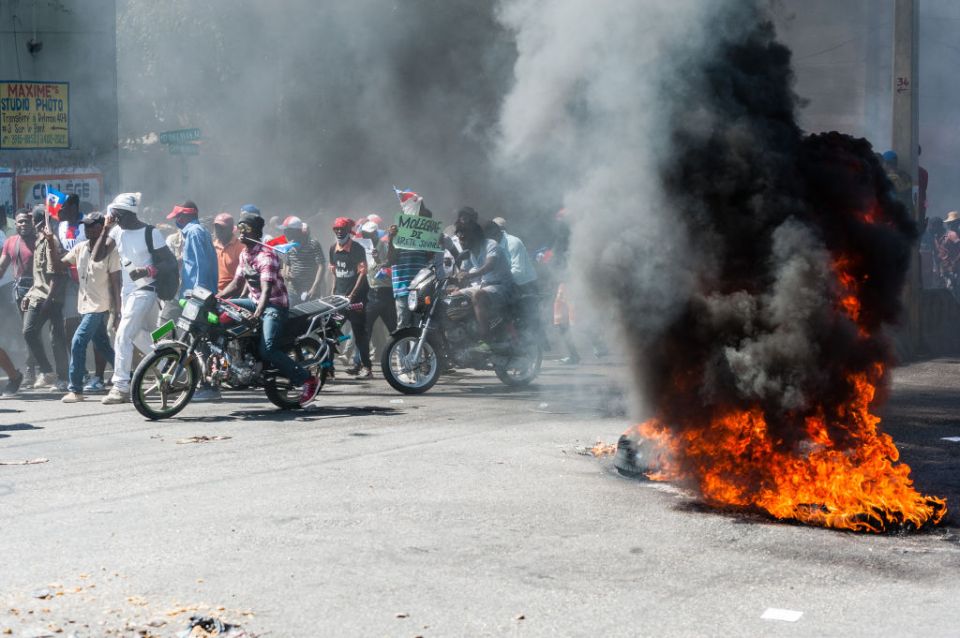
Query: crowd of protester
x=81, y=282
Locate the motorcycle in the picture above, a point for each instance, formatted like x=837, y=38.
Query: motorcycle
x=219, y=342
x=446, y=336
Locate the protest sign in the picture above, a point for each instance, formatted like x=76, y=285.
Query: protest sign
x=418, y=233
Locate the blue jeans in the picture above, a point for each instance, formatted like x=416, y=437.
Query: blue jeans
x=93, y=327
x=270, y=330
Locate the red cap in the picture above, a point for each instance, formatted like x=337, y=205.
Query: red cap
x=177, y=210
x=292, y=222
x=223, y=219
x=343, y=222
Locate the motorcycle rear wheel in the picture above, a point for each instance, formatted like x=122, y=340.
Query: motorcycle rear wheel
x=522, y=369
x=280, y=391
x=395, y=363
x=153, y=381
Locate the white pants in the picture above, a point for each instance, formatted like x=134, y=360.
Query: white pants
x=139, y=307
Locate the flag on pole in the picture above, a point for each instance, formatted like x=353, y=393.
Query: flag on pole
x=281, y=244
x=54, y=201
x=410, y=202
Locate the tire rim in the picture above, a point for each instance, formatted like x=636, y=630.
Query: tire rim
x=158, y=384
x=410, y=373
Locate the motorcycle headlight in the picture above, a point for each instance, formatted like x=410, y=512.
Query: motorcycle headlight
x=412, y=300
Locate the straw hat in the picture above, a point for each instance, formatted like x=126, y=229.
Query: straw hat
x=952, y=216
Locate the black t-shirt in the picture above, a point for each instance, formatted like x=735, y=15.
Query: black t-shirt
x=345, y=264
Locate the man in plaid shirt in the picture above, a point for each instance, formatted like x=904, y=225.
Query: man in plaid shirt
x=259, y=267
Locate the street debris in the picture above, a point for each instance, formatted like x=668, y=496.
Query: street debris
x=209, y=626
x=63, y=610
x=952, y=439
x=786, y=615
x=401, y=614
x=396, y=401
x=202, y=439
x=25, y=462
x=520, y=617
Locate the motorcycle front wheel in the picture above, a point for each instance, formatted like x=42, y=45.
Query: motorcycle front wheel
x=404, y=374
x=157, y=392
x=523, y=368
x=279, y=390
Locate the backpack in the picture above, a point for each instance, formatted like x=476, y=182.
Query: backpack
x=167, y=281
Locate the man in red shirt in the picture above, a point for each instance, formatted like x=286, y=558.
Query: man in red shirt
x=18, y=252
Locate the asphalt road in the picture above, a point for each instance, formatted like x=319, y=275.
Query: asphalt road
x=469, y=511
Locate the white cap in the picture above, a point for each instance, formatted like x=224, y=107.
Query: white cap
x=501, y=222
x=370, y=227
x=126, y=201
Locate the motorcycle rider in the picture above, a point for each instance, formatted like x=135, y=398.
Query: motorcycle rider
x=487, y=263
x=259, y=267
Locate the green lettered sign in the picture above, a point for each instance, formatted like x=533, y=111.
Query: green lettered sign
x=418, y=233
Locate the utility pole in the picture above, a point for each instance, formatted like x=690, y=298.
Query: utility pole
x=906, y=136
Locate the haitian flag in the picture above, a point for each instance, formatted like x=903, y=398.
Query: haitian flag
x=410, y=202
x=54, y=201
x=281, y=244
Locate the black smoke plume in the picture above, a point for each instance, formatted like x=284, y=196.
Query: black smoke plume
x=769, y=213
x=766, y=375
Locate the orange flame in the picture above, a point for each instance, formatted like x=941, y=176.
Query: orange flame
x=860, y=487
x=601, y=449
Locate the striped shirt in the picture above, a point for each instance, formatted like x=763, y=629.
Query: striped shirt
x=303, y=262
x=408, y=264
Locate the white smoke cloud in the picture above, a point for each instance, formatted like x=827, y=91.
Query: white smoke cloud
x=586, y=116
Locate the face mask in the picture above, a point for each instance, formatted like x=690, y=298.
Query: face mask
x=244, y=237
x=342, y=236
x=223, y=233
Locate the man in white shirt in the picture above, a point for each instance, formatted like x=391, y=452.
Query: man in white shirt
x=521, y=266
x=125, y=232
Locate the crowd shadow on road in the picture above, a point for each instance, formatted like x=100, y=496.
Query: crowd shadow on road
x=16, y=427
x=276, y=414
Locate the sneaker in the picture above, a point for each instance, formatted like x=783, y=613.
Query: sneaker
x=310, y=388
x=206, y=393
x=72, y=397
x=29, y=378
x=570, y=361
x=45, y=380
x=115, y=396
x=365, y=373
x=60, y=386
x=13, y=385
x=94, y=386
x=353, y=370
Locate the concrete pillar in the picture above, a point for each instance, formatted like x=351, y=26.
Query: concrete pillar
x=906, y=137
